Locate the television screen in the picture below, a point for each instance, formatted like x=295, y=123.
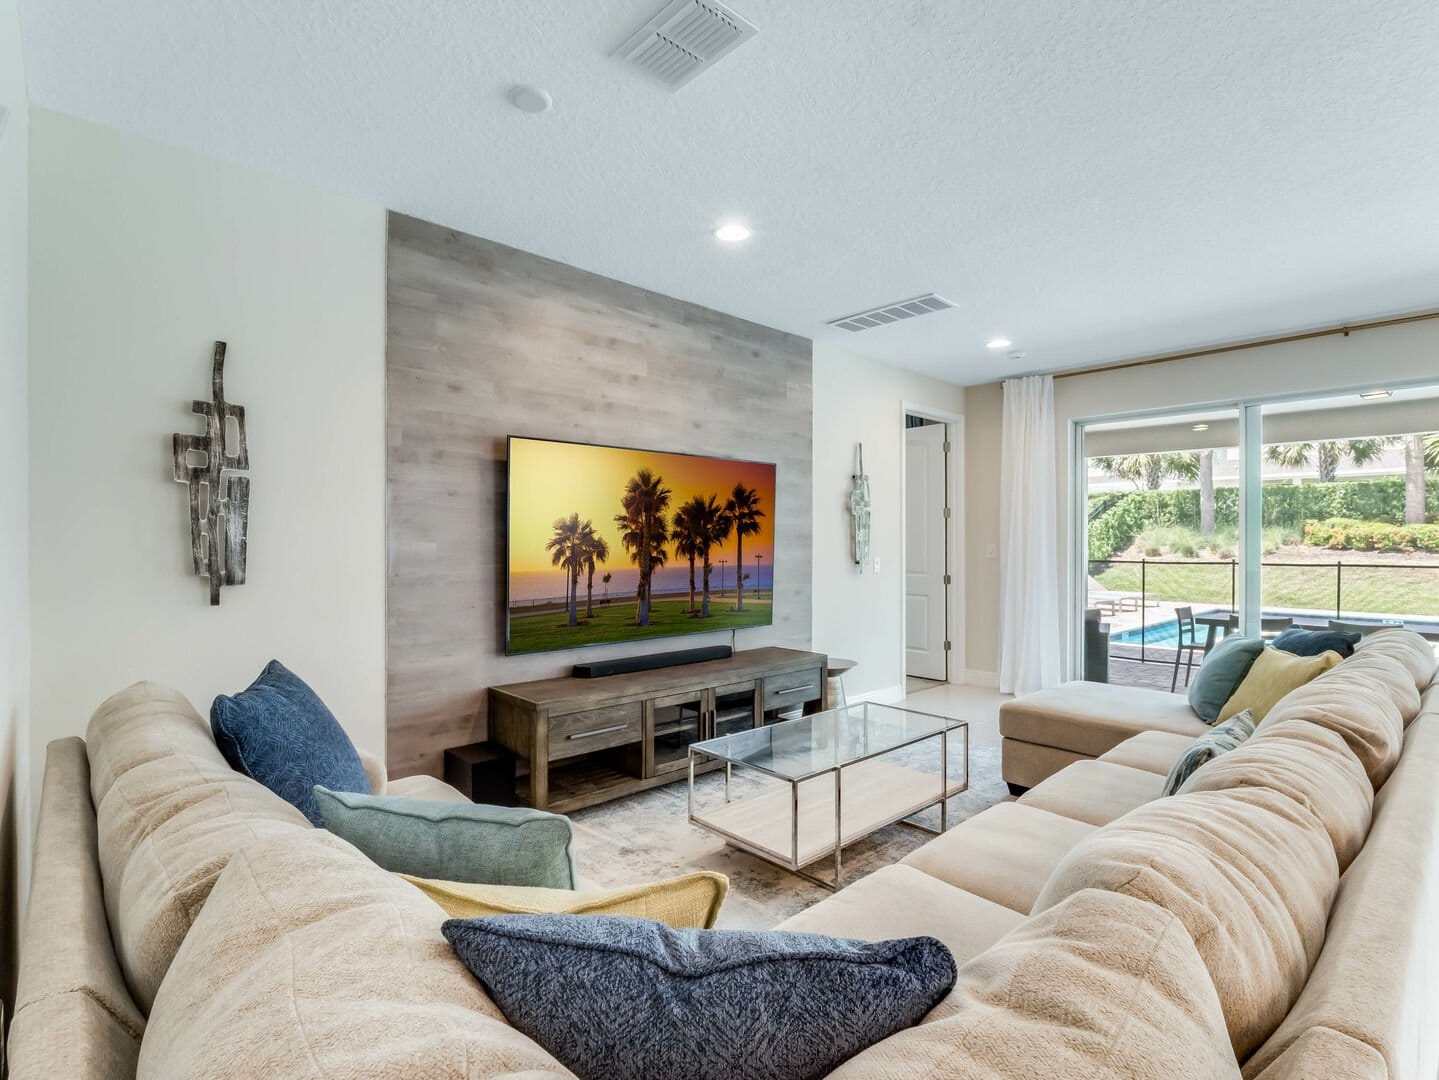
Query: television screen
x=609, y=544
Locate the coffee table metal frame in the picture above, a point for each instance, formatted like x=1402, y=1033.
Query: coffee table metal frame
x=697, y=752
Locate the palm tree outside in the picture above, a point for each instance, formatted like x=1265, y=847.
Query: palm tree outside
x=684, y=530
x=742, y=508
x=596, y=551
x=1327, y=455
x=1147, y=472
x=567, y=550
x=644, y=531
x=713, y=526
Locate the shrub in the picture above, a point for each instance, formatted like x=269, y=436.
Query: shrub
x=1347, y=534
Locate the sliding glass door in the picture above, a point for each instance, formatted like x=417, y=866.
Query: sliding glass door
x=1317, y=512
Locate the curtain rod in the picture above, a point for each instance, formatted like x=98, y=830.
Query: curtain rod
x=1256, y=344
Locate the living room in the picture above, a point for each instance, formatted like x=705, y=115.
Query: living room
x=705, y=471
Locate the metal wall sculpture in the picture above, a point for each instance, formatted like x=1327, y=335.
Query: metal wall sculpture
x=219, y=497
x=859, y=513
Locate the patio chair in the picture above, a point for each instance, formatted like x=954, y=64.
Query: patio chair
x=1185, y=648
x=1360, y=628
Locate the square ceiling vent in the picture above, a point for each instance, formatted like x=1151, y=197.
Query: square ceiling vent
x=686, y=38
x=891, y=313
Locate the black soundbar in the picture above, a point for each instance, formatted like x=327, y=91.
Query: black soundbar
x=624, y=664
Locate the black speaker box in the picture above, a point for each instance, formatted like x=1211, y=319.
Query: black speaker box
x=623, y=665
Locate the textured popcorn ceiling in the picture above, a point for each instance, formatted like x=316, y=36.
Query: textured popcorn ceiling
x=1094, y=180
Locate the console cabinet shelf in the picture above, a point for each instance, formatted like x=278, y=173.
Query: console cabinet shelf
x=585, y=741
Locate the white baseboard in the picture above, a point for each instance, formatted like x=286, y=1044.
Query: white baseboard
x=885, y=695
x=982, y=678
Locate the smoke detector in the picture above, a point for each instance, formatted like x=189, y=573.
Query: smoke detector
x=684, y=39
x=891, y=313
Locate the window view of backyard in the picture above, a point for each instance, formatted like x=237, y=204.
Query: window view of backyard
x=1350, y=539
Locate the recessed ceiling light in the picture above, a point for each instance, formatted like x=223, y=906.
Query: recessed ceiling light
x=998, y=343
x=733, y=232
x=1369, y=395
x=530, y=99
x=1201, y=427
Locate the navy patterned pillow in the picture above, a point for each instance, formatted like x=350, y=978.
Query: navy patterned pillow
x=1217, y=740
x=1303, y=642
x=280, y=733
x=617, y=998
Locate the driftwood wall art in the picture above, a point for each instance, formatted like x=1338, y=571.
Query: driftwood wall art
x=859, y=513
x=209, y=464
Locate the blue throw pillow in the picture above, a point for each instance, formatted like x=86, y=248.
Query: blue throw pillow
x=1221, y=673
x=280, y=733
x=455, y=841
x=617, y=998
x=1303, y=642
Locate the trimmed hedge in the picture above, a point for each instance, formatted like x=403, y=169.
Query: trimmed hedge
x=1286, y=506
x=1346, y=534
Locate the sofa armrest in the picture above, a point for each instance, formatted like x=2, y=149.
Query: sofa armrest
x=374, y=771
x=424, y=786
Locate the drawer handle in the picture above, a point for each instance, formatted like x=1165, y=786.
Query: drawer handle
x=796, y=689
x=597, y=731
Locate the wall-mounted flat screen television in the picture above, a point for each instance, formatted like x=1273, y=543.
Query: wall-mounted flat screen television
x=609, y=544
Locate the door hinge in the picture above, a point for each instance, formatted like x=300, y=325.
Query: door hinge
x=946, y=513
x=946, y=446
x=948, y=580
x=947, y=646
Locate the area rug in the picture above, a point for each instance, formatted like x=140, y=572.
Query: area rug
x=647, y=836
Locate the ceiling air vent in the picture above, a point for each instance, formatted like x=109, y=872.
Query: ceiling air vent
x=891, y=313
x=684, y=39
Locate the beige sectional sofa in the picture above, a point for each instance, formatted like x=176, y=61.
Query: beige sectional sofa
x=1278, y=918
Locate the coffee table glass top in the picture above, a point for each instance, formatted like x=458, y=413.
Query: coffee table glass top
x=822, y=742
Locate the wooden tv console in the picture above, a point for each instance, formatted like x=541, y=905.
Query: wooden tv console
x=586, y=741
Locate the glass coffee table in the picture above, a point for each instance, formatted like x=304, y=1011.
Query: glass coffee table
x=798, y=791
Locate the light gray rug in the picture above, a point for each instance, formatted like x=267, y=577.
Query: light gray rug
x=647, y=836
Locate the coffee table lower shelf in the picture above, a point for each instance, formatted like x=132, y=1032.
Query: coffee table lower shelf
x=794, y=825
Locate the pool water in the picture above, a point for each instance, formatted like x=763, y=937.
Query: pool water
x=1162, y=634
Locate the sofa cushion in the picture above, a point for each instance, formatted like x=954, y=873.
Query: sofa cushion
x=1152, y=751
x=1309, y=764
x=143, y=722
x=901, y=901
x=1325, y=1052
x=310, y=961
x=1376, y=671
x=1004, y=854
x=448, y=841
x=1408, y=648
x=1220, y=675
x=629, y=999
x=1273, y=675
x=1302, y=642
x=166, y=830
x=1352, y=704
x=690, y=901
x=1090, y=718
x=1101, y=985
x=1376, y=980
x=1095, y=792
x=279, y=732
x=1249, y=873
x=1221, y=739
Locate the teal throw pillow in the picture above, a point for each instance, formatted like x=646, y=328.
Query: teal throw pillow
x=1221, y=673
x=452, y=841
x=1220, y=739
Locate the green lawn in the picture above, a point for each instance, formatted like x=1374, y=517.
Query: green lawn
x=616, y=622
x=1397, y=590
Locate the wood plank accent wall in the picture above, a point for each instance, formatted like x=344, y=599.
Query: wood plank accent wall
x=486, y=341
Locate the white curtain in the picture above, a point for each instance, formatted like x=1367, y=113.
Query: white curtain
x=1030, y=604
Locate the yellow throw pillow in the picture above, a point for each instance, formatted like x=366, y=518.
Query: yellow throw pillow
x=1273, y=675
x=688, y=902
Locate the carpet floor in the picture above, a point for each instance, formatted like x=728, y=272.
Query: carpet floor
x=648, y=836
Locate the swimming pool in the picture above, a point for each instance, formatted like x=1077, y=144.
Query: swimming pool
x=1165, y=635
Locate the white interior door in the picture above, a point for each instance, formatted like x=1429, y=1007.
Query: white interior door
x=925, y=552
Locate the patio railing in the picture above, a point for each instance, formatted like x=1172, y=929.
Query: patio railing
x=1308, y=592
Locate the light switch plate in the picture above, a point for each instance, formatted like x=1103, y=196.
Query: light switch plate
x=876, y=564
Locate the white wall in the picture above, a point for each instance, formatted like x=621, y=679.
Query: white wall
x=860, y=615
x=141, y=256
x=14, y=592
x=1362, y=360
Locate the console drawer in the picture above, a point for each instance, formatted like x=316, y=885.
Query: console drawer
x=793, y=688
x=595, y=729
